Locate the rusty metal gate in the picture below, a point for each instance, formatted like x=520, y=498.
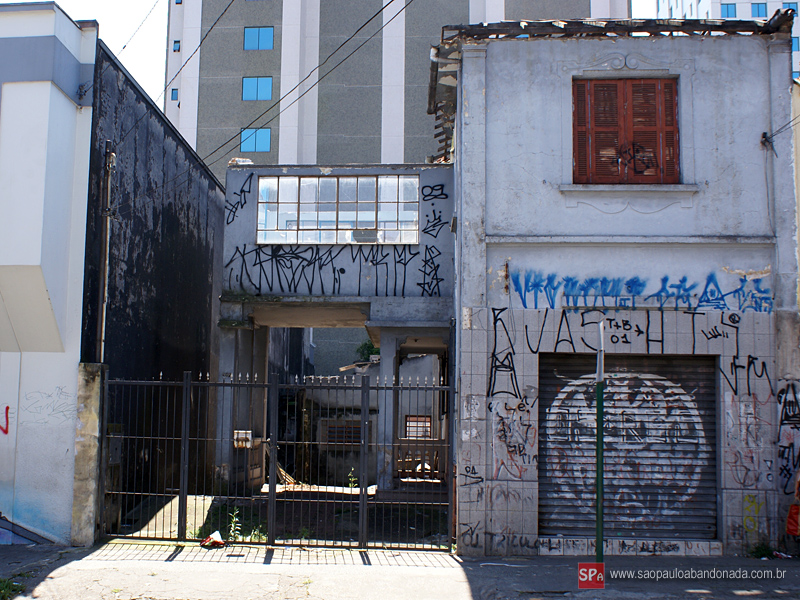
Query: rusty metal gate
x=660, y=446
x=327, y=462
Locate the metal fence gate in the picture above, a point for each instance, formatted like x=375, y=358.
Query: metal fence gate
x=327, y=462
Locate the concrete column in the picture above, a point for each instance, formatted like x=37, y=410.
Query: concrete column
x=784, y=213
x=393, y=85
x=386, y=410
x=471, y=291
x=86, y=500
x=473, y=177
x=487, y=11
x=297, y=137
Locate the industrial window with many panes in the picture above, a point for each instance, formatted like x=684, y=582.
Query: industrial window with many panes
x=625, y=131
x=382, y=209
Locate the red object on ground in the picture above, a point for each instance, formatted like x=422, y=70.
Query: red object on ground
x=213, y=541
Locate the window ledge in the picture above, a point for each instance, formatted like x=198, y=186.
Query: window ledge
x=642, y=198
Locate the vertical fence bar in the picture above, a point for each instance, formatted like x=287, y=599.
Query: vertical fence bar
x=451, y=475
x=363, y=481
x=183, y=493
x=273, y=458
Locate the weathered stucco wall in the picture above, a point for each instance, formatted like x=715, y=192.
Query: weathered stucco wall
x=705, y=268
x=358, y=270
x=165, y=242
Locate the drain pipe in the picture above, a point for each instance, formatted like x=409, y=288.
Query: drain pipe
x=105, y=228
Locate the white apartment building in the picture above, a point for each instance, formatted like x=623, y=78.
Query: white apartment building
x=714, y=9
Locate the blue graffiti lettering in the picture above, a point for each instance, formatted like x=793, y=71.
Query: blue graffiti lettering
x=619, y=292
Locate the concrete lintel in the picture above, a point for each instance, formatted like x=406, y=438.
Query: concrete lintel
x=311, y=315
x=697, y=240
x=406, y=325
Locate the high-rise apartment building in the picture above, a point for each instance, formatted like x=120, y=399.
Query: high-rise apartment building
x=370, y=109
x=715, y=9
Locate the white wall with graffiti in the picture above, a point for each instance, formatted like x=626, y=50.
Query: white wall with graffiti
x=370, y=268
x=695, y=283
x=44, y=168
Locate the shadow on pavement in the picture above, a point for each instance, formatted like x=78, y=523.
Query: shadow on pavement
x=30, y=564
x=189, y=571
x=646, y=577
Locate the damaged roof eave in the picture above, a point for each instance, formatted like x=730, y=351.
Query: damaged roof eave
x=446, y=57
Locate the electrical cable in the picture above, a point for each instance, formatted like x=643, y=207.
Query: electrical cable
x=127, y=133
x=138, y=28
x=91, y=85
x=277, y=102
x=310, y=73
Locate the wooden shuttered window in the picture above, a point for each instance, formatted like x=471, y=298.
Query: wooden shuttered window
x=625, y=131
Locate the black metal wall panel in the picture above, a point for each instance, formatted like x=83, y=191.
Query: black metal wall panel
x=660, y=446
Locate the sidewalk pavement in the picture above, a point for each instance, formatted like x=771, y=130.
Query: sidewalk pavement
x=125, y=570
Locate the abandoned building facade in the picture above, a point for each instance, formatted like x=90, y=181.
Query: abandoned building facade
x=634, y=175
x=658, y=195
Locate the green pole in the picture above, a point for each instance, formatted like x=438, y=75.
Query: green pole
x=599, y=452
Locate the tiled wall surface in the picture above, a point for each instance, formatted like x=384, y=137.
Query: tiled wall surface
x=498, y=441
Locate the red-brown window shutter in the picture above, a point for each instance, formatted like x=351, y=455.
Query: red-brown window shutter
x=670, y=170
x=625, y=131
x=580, y=132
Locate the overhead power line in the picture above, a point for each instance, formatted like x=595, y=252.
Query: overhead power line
x=310, y=73
x=129, y=205
x=196, y=50
x=139, y=27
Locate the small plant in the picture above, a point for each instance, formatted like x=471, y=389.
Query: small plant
x=9, y=588
x=352, y=480
x=761, y=550
x=367, y=349
x=257, y=535
x=234, y=525
x=305, y=533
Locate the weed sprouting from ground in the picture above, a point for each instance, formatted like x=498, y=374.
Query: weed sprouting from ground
x=234, y=525
x=9, y=588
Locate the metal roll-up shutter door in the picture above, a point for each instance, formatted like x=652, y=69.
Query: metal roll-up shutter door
x=660, y=446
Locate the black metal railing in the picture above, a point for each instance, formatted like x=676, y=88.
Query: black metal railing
x=324, y=461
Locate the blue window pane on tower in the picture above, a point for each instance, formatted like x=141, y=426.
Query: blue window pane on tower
x=265, y=38
x=258, y=38
x=758, y=9
x=265, y=88
x=176, y=46
x=249, y=88
x=728, y=11
x=251, y=38
x=174, y=94
x=255, y=140
x=795, y=44
x=795, y=74
x=257, y=88
x=263, y=140
x=792, y=5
